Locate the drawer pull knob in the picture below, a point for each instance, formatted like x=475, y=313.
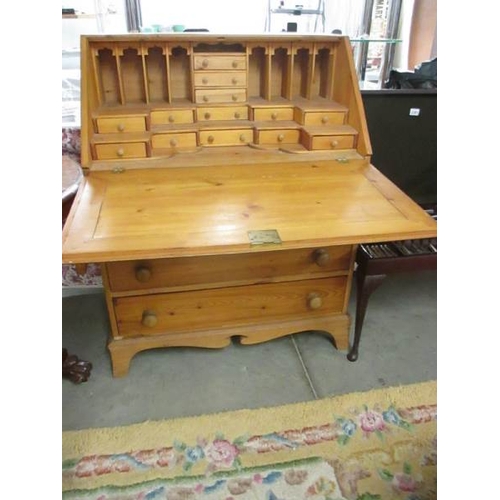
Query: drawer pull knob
x=234, y=97
x=324, y=119
x=173, y=142
x=242, y=138
x=171, y=119
x=334, y=144
x=314, y=301
x=204, y=63
x=237, y=115
x=274, y=116
x=121, y=127
x=281, y=138
x=149, y=319
x=143, y=274
x=210, y=139
x=120, y=151
x=205, y=98
x=207, y=116
x=235, y=64
x=321, y=257
x=204, y=81
x=234, y=81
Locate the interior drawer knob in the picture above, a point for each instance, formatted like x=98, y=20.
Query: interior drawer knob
x=204, y=81
x=334, y=144
x=121, y=127
x=149, y=319
x=120, y=152
x=210, y=139
x=204, y=63
x=321, y=257
x=234, y=97
x=235, y=64
x=205, y=98
x=173, y=142
x=281, y=138
x=237, y=115
x=234, y=81
x=274, y=116
x=314, y=301
x=324, y=119
x=171, y=119
x=143, y=274
x=207, y=116
x=243, y=138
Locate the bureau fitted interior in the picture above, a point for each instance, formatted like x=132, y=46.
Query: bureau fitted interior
x=227, y=185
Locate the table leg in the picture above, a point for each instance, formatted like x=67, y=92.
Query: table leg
x=366, y=285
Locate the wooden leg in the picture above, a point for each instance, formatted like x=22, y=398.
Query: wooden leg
x=75, y=369
x=366, y=285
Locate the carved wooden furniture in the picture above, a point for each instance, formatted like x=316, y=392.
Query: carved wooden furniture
x=229, y=184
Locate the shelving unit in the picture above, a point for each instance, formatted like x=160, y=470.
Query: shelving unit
x=297, y=11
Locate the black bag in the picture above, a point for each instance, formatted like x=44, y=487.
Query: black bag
x=424, y=77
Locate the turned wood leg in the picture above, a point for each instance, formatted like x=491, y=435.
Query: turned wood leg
x=366, y=285
x=75, y=369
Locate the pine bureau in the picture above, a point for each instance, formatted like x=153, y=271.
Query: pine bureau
x=227, y=185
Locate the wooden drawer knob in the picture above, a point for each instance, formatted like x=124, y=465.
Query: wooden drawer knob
x=234, y=81
x=321, y=257
x=235, y=64
x=207, y=116
x=324, y=119
x=171, y=119
x=274, y=116
x=234, y=97
x=237, y=115
x=204, y=63
x=121, y=127
x=281, y=138
x=210, y=139
x=173, y=142
x=205, y=98
x=149, y=319
x=334, y=144
x=204, y=80
x=243, y=138
x=314, y=301
x=143, y=274
x=120, y=152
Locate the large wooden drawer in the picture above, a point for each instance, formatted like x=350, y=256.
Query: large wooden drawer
x=165, y=313
x=121, y=150
x=224, y=270
x=215, y=113
x=226, y=61
x=119, y=124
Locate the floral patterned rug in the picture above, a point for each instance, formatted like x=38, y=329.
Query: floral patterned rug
x=380, y=444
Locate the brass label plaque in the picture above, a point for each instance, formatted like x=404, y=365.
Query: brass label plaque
x=264, y=237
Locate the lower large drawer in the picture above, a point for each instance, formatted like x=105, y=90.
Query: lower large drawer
x=156, y=314
x=227, y=269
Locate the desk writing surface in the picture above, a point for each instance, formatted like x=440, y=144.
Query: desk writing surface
x=172, y=212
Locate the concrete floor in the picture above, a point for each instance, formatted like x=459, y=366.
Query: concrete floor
x=398, y=346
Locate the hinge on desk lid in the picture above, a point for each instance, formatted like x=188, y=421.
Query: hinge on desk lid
x=264, y=237
x=342, y=160
x=118, y=170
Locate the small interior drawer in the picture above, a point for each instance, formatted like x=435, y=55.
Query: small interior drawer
x=220, y=95
x=320, y=117
x=155, y=314
x=220, y=79
x=278, y=136
x=162, y=117
x=331, y=142
x=227, y=270
x=112, y=125
x=272, y=114
x=174, y=140
x=222, y=113
x=220, y=62
x=121, y=150
x=228, y=137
